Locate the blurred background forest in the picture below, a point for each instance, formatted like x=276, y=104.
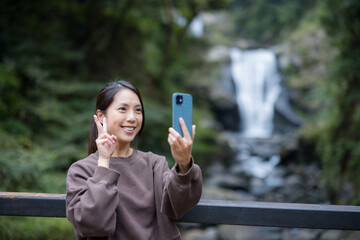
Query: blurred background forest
x=56, y=55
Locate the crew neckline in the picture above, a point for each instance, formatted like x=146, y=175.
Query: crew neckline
x=123, y=159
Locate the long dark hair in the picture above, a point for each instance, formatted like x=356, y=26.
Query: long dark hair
x=103, y=99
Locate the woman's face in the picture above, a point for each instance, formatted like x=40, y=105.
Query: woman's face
x=124, y=116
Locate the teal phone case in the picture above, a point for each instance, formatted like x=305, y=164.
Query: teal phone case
x=182, y=110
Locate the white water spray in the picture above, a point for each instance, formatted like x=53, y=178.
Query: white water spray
x=257, y=89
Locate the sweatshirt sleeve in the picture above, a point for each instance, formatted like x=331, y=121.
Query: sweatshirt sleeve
x=181, y=191
x=91, y=200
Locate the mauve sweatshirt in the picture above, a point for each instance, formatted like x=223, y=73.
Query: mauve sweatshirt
x=135, y=198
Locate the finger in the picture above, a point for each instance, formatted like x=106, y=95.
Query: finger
x=171, y=139
x=104, y=141
x=176, y=136
x=193, y=131
x=98, y=125
x=104, y=125
x=184, y=129
x=174, y=132
x=174, y=144
x=175, y=140
x=112, y=138
x=106, y=135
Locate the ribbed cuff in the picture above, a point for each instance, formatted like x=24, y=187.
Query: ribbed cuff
x=106, y=174
x=186, y=177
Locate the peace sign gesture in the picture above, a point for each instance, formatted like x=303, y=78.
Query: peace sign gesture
x=105, y=143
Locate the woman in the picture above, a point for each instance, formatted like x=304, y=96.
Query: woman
x=118, y=192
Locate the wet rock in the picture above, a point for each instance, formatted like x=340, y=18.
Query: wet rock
x=275, y=179
x=300, y=234
x=332, y=235
x=260, y=168
x=198, y=234
x=285, y=119
x=353, y=235
x=218, y=53
x=293, y=182
x=227, y=182
x=228, y=232
x=216, y=193
x=223, y=102
x=215, y=168
x=258, y=188
x=193, y=234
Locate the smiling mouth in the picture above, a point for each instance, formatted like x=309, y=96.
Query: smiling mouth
x=129, y=128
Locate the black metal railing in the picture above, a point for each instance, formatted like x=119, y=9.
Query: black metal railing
x=288, y=215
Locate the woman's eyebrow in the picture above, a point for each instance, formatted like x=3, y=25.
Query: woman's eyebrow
x=123, y=104
x=126, y=105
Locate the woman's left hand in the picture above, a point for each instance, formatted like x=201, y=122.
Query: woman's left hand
x=181, y=146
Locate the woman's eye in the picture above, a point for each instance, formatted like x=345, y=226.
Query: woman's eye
x=138, y=110
x=122, y=108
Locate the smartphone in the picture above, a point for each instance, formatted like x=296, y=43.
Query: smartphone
x=182, y=108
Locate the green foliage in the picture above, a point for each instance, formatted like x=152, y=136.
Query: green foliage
x=339, y=139
x=328, y=86
x=309, y=44
x=9, y=87
x=54, y=57
x=157, y=122
x=19, y=228
x=268, y=21
x=19, y=170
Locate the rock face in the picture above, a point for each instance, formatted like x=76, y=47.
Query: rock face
x=229, y=232
x=260, y=169
x=291, y=182
x=257, y=173
x=223, y=102
x=223, y=98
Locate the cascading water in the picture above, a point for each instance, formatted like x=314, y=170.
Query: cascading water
x=257, y=89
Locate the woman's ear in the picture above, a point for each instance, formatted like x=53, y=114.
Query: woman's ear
x=100, y=115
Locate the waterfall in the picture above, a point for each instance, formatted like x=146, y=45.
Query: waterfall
x=196, y=28
x=257, y=88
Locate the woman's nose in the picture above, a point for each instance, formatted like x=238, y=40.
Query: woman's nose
x=131, y=116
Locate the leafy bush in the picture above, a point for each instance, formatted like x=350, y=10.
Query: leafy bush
x=29, y=228
x=268, y=21
x=339, y=138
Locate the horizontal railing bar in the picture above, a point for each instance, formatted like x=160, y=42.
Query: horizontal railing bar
x=32, y=204
x=287, y=215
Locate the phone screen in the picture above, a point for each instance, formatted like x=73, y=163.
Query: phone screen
x=182, y=108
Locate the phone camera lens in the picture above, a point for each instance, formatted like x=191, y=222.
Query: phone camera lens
x=179, y=99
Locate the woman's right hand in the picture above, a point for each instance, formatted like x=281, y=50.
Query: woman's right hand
x=105, y=143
